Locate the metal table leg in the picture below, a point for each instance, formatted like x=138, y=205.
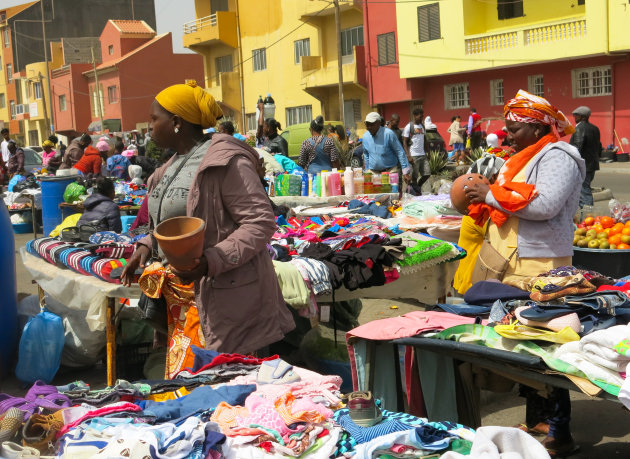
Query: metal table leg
x=110, y=332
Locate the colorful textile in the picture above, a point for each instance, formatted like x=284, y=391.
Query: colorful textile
x=183, y=318
x=226, y=415
x=528, y=108
x=293, y=411
x=512, y=196
x=191, y=102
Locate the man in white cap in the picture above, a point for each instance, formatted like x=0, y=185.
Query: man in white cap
x=586, y=140
x=382, y=152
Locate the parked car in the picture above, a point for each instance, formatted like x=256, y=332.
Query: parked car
x=32, y=160
x=36, y=148
x=298, y=133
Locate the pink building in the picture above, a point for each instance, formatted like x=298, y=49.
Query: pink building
x=136, y=65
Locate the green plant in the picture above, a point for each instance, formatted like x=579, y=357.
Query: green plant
x=475, y=154
x=437, y=162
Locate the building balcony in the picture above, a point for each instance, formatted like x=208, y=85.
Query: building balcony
x=211, y=30
x=313, y=8
x=227, y=91
x=316, y=75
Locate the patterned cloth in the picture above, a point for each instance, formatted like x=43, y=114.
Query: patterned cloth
x=183, y=319
x=528, y=108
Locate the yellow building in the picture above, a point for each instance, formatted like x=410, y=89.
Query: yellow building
x=34, y=108
x=287, y=48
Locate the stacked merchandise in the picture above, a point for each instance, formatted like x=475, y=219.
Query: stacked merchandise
x=228, y=405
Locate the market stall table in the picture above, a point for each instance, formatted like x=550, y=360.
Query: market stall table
x=83, y=292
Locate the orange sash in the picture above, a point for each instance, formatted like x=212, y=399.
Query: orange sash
x=512, y=196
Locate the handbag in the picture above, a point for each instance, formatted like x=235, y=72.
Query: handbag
x=490, y=263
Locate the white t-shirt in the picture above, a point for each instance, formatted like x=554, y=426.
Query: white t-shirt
x=5, y=151
x=417, y=139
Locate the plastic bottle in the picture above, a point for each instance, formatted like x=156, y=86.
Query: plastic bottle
x=304, y=190
x=376, y=183
x=324, y=184
x=309, y=177
x=393, y=180
x=348, y=182
x=334, y=183
x=367, y=183
x=272, y=185
x=358, y=181
x=317, y=184
x=269, y=107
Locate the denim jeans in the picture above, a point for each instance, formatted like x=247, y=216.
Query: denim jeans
x=610, y=302
x=559, y=427
x=586, y=194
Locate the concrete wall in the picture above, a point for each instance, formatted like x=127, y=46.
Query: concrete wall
x=74, y=86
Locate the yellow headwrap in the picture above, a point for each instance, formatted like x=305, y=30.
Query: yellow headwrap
x=48, y=143
x=190, y=102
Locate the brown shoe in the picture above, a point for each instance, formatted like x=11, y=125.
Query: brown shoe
x=40, y=431
x=557, y=448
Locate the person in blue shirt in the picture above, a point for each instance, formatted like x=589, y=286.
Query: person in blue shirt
x=382, y=152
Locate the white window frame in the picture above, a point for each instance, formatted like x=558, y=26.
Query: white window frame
x=7, y=41
x=456, y=96
x=298, y=115
x=259, y=59
x=350, y=38
x=220, y=64
x=9, y=73
x=496, y=92
x=251, y=122
x=592, y=81
x=12, y=108
x=110, y=49
x=37, y=90
x=3, y=100
x=536, y=85
x=301, y=48
x=63, y=106
x=112, y=91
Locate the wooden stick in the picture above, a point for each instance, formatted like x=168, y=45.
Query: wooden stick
x=619, y=141
x=110, y=332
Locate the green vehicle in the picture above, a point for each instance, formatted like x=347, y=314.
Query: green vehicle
x=298, y=133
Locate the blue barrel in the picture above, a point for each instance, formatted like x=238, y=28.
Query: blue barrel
x=8, y=301
x=52, y=196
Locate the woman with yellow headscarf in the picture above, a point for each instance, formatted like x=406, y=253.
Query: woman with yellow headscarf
x=529, y=213
x=235, y=304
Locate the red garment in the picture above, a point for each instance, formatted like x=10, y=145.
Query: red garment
x=90, y=162
x=230, y=358
x=116, y=408
x=625, y=288
x=476, y=119
x=501, y=134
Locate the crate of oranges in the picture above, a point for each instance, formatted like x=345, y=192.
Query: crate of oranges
x=603, y=233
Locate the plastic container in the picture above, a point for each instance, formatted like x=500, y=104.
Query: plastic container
x=130, y=360
x=22, y=228
x=305, y=182
x=348, y=182
x=613, y=263
x=324, y=184
x=52, y=195
x=8, y=304
x=358, y=181
x=127, y=221
x=622, y=157
x=181, y=240
x=334, y=183
x=367, y=183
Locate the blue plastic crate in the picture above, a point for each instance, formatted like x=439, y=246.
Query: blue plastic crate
x=22, y=228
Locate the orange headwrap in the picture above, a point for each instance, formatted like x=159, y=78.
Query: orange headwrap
x=190, y=102
x=528, y=108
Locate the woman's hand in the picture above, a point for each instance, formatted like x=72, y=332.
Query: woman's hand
x=476, y=192
x=137, y=260
x=195, y=274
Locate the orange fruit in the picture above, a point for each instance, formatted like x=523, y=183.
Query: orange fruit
x=607, y=230
x=626, y=231
x=588, y=221
x=607, y=222
x=616, y=229
x=598, y=227
x=615, y=239
x=627, y=223
x=623, y=246
x=618, y=225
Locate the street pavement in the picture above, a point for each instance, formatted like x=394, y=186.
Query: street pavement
x=600, y=427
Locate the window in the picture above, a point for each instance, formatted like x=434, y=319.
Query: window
x=352, y=113
x=250, y=120
x=9, y=73
x=37, y=89
x=386, y=48
x=429, y=22
x=28, y=89
x=302, y=48
x=62, y=103
x=112, y=94
x=351, y=38
x=6, y=37
x=297, y=115
x=581, y=2
x=218, y=5
x=593, y=81
x=98, y=108
x=509, y=9
x=3, y=101
x=496, y=92
x=259, y=56
x=110, y=49
x=456, y=96
x=536, y=85
x=12, y=105
x=223, y=64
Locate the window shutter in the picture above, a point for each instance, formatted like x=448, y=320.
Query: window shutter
x=434, y=21
x=429, y=22
x=391, y=48
x=423, y=23
x=382, y=49
x=517, y=11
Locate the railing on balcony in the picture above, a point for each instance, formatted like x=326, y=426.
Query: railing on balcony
x=555, y=32
x=201, y=23
x=488, y=43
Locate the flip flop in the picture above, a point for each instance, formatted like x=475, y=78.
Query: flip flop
x=539, y=429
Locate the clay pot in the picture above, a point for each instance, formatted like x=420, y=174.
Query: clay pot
x=181, y=240
x=458, y=191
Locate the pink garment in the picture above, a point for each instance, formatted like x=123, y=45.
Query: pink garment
x=263, y=413
x=398, y=449
x=306, y=404
x=47, y=156
x=212, y=454
x=311, y=385
x=113, y=408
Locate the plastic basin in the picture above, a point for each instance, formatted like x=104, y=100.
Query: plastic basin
x=613, y=263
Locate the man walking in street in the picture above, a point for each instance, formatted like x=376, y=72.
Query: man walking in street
x=474, y=129
x=586, y=140
x=415, y=144
x=394, y=125
x=382, y=150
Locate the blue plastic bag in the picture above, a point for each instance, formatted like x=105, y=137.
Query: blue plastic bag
x=40, y=350
x=14, y=181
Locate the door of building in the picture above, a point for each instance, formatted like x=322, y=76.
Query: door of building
x=33, y=137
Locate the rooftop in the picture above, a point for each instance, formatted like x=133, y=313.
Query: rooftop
x=132, y=27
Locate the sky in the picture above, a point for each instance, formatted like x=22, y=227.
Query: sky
x=170, y=17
